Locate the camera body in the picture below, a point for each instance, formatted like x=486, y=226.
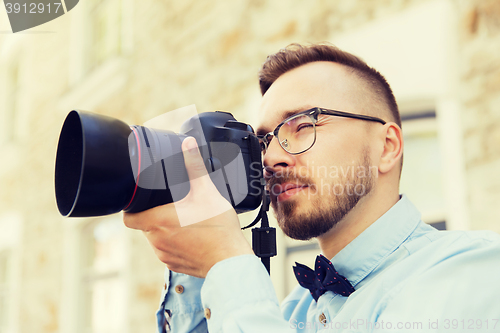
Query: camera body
x=233, y=148
x=104, y=166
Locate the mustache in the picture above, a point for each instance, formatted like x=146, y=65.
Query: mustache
x=289, y=177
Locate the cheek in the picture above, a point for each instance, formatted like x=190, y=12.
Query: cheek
x=317, y=167
x=328, y=166
x=330, y=153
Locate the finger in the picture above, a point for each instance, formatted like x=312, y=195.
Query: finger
x=177, y=263
x=195, y=166
x=132, y=221
x=208, y=202
x=147, y=220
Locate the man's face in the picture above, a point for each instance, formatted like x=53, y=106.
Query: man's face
x=313, y=191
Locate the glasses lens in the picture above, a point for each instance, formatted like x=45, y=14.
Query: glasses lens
x=297, y=134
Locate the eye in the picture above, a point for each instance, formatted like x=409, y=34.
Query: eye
x=304, y=126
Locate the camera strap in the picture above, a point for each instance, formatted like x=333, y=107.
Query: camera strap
x=263, y=238
x=258, y=217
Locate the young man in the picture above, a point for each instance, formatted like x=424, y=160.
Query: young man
x=323, y=112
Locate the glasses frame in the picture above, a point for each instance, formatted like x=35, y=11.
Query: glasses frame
x=313, y=113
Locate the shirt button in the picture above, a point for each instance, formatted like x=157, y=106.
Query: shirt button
x=165, y=286
x=322, y=318
x=179, y=289
x=208, y=313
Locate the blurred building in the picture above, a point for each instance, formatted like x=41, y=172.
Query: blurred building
x=135, y=60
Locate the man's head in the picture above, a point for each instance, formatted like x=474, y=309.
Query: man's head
x=311, y=192
x=296, y=55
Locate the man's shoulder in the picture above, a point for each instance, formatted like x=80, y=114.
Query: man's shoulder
x=457, y=240
x=454, y=250
x=450, y=255
x=444, y=261
x=487, y=236
x=454, y=276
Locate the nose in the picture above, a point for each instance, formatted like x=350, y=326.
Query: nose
x=276, y=159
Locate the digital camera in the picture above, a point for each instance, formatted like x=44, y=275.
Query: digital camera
x=104, y=166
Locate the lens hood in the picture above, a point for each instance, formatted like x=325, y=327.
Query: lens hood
x=93, y=174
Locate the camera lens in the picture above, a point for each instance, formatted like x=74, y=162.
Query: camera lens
x=93, y=175
x=69, y=163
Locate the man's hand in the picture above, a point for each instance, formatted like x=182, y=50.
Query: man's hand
x=212, y=233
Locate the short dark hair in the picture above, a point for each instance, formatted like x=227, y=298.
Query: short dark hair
x=295, y=55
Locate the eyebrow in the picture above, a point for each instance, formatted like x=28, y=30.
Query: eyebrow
x=261, y=130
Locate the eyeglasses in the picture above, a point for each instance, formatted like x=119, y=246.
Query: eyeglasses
x=297, y=133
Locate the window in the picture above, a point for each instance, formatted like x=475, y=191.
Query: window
x=102, y=277
x=421, y=178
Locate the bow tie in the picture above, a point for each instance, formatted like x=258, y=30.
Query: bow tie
x=323, y=278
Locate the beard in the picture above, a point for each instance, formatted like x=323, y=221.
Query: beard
x=327, y=209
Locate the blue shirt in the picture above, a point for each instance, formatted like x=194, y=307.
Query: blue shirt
x=408, y=277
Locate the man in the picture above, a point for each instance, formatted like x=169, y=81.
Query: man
x=391, y=271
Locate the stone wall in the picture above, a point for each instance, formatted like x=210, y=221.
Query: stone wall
x=480, y=92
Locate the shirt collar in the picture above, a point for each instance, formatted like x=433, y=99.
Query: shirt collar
x=360, y=257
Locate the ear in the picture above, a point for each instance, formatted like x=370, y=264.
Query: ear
x=393, y=148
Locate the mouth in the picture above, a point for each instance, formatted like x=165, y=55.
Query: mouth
x=281, y=192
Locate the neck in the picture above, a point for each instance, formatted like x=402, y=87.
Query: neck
x=369, y=209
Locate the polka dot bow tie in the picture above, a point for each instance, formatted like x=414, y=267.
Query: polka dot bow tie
x=323, y=278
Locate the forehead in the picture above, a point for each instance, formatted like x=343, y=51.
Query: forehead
x=322, y=84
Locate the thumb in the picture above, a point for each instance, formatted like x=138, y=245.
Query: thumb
x=195, y=166
x=203, y=193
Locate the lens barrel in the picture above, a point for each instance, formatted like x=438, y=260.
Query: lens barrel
x=104, y=166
